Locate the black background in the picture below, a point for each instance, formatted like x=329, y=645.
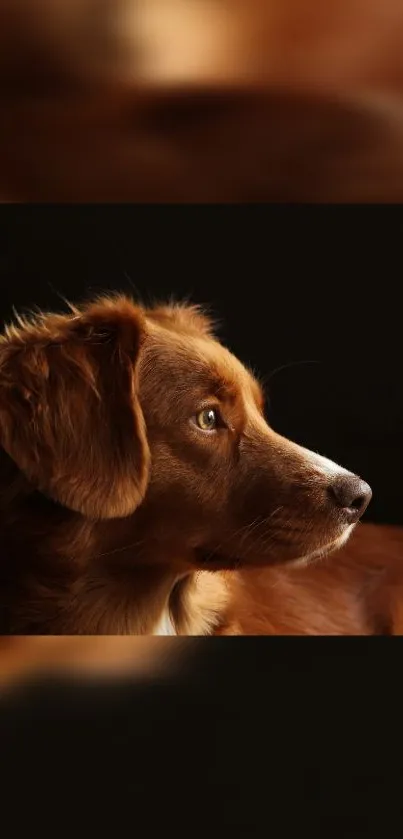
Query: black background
x=313, y=291
x=253, y=738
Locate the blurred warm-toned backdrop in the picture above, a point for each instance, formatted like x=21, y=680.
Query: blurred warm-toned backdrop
x=346, y=44
x=96, y=103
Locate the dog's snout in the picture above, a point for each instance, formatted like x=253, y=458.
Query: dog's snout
x=351, y=495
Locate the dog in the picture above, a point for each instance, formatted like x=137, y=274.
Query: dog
x=137, y=470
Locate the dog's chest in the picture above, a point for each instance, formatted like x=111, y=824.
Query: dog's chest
x=165, y=624
x=196, y=606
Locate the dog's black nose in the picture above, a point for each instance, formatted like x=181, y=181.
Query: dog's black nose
x=351, y=495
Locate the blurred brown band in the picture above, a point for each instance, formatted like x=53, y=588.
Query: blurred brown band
x=204, y=144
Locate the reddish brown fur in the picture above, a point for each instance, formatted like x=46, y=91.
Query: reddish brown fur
x=58, y=378
x=115, y=506
x=355, y=591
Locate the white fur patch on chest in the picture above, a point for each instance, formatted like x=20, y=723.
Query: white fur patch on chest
x=165, y=625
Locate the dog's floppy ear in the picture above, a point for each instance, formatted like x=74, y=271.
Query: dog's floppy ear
x=69, y=411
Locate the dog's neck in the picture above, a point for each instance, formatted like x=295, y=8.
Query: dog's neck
x=157, y=603
x=196, y=606
x=83, y=583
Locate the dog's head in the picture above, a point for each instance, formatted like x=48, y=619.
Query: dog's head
x=117, y=411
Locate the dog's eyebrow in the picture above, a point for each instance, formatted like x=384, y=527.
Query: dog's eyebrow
x=231, y=389
x=223, y=387
x=228, y=379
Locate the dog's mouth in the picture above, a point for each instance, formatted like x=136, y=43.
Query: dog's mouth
x=326, y=550
x=211, y=560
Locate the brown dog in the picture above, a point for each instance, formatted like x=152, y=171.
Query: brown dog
x=136, y=463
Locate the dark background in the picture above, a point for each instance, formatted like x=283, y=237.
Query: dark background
x=313, y=291
x=252, y=738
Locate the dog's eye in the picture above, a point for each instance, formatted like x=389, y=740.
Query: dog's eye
x=208, y=419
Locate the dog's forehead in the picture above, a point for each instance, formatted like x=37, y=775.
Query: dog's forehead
x=201, y=359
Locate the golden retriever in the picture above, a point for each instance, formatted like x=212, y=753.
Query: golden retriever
x=137, y=469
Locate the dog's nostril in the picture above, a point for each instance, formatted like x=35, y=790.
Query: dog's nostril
x=351, y=495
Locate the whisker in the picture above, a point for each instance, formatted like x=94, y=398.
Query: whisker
x=248, y=530
x=121, y=549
